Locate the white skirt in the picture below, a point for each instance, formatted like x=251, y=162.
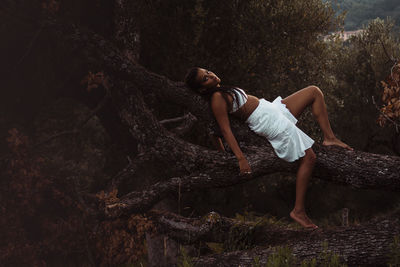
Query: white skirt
x=275, y=122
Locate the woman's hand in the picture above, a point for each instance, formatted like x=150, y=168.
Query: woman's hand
x=244, y=166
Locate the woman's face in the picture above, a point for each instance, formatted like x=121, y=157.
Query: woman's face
x=207, y=80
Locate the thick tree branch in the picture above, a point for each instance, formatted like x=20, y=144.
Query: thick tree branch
x=186, y=117
x=194, y=167
x=357, y=245
x=216, y=228
x=358, y=169
x=187, y=123
x=364, y=245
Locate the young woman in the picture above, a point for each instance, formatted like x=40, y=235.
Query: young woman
x=275, y=121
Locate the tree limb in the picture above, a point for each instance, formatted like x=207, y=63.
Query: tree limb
x=363, y=245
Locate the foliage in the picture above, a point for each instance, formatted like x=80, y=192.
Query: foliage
x=360, y=12
x=329, y=258
x=47, y=222
x=244, y=237
x=358, y=66
x=122, y=240
x=309, y=263
x=394, y=260
x=265, y=46
x=270, y=48
x=256, y=220
x=283, y=257
x=42, y=215
x=51, y=6
x=391, y=98
x=239, y=238
x=184, y=259
x=273, y=48
x=256, y=262
x=216, y=247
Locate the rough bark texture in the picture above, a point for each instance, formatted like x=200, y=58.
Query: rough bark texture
x=358, y=169
x=365, y=245
x=188, y=167
x=202, y=168
x=222, y=172
x=357, y=245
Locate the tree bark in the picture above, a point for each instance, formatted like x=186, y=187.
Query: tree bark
x=357, y=245
x=358, y=169
x=191, y=167
x=367, y=245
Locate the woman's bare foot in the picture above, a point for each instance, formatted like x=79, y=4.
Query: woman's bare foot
x=302, y=219
x=336, y=142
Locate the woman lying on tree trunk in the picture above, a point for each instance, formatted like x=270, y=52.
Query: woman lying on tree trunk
x=274, y=120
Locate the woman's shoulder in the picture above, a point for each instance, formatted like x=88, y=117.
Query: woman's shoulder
x=230, y=87
x=221, y=95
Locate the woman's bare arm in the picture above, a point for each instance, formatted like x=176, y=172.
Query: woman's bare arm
x=217, y=142
x=220, y=110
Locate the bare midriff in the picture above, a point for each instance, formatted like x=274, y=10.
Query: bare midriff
x=245, y=111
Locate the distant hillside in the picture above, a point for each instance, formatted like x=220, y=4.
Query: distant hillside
x=359, y=12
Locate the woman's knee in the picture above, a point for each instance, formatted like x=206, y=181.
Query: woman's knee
x=310, y=156
x=317, y=92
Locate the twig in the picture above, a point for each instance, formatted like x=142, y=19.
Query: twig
x=177, y=119
x=28, y=50
x=391, y=58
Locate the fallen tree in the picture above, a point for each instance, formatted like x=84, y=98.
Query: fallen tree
x=201, y=168
x=188, y=167
x=365, y=245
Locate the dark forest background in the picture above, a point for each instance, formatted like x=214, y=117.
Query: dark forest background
x=269, y=48
x=360, y=12
x=276, y=48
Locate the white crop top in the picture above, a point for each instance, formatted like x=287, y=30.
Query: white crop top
x=242, y=99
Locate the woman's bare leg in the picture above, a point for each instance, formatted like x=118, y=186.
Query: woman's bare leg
x=313, y=96
x=303, y=176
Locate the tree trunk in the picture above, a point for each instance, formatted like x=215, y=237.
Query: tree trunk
x=357, y=245
x=184, y=167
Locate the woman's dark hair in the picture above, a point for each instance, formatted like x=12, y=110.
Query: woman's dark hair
x=193, y=83
x=190, y=78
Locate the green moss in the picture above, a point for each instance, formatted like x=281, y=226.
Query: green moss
x=283, y=257
x=329, y=258
x=256, y=262
x=310, y=263
x=184, y=259
x=240, y=237
x=394, y=256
